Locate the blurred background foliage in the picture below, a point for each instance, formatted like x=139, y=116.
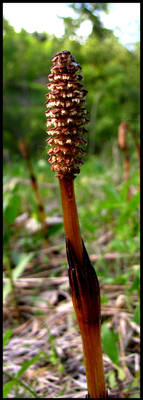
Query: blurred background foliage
x=111, y=76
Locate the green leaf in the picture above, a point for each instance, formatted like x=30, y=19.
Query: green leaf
x=112, y=194
x=26, y=365
x=7, y=388
x=135, y=285
x=54, y=229
x=14, y=381
x=109, y=340
x=11, y=208
x=6, y=337
x=118, y=245
x=123, y=192
x=129, y=210
x=121, y=374
x=134, y=202
x=17, y=272
x=112, y=379
x=136, y=317
x=104, y=299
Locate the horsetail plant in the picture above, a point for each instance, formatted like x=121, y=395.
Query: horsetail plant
x=66, y=116
x=123, y=129
x=122, y=141
x=24, y=151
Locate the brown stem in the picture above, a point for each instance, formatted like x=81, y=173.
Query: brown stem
x=24, y=151
x=85, y=293
x=122, y=140
x=71, y=223
x=91, y=340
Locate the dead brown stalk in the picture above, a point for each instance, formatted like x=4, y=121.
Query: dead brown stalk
x=123, y=129
x=122, y=140
x=24, y=151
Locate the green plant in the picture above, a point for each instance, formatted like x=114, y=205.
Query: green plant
x=15, y=380
x=21, y=265
x=12, y=287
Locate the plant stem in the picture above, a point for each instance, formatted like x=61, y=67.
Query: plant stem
x=91, y=340
x=25, y=153
x=85, y=293
x=71, y=222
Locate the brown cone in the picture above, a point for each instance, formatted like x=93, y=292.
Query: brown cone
x=66, y=116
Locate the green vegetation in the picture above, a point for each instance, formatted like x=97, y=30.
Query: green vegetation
x=111, y=76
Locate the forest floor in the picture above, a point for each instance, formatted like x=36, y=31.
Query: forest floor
x=43, y=351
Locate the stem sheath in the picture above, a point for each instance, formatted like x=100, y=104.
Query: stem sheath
x=85, y=293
